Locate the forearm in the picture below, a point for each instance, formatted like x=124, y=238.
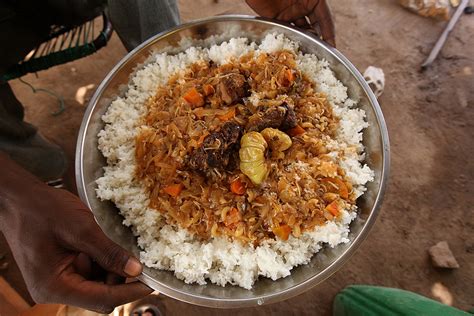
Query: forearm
x=15, y=183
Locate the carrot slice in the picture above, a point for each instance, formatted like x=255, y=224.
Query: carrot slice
x=193, y=97
x=290, y=76
x=282, y=232
x=208, y=89
x=174, y=190
x=238, y=187
x=295, y=131
x=333, y=208
x=343, y=191
x=227, y=115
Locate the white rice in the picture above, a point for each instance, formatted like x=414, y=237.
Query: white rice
x=220, y=260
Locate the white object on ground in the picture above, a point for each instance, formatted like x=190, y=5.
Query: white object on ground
x=442, y=293
x=376, y=79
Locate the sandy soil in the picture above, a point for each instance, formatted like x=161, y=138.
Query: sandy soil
x=430, y=118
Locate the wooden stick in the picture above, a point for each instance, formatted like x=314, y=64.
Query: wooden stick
x=442, y=39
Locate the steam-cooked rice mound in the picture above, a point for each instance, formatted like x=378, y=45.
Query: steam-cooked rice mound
x=235, y=161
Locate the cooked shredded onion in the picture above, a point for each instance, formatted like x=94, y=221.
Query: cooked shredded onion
x=305, y=185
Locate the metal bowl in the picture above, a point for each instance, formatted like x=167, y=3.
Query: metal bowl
x=90, y=163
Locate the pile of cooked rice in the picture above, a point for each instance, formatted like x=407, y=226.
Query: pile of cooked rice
x=235, y=161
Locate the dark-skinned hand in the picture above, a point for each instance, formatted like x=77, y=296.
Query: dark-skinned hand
x=299, y=12
x=62, y=253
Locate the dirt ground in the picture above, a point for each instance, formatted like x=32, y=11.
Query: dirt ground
x=430, y=117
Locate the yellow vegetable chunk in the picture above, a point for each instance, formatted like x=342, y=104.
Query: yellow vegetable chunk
x=276, y=139
x=252, y=157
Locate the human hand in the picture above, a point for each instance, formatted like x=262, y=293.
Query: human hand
x=63, y=255
x=296, y=11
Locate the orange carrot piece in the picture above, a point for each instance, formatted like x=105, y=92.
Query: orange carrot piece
x=227, y=115
x=333, y=208
x=174, y=190
x=290, y=76
x=295, y=131
x=193, y=97
x=282, y=232
x=238, y=187
x=232, y=217
x=343, y=191
x=208, y=89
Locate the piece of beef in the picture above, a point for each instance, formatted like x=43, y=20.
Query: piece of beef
x=232, y=88
x=281, y=117
x=218, y=150
x=290, y=119
x=271, y=117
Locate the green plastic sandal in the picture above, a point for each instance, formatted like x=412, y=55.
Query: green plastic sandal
x=366, y=300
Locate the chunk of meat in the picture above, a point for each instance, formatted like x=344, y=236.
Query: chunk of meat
x=232, y=88
x=219, y=149
x=281, y=117
x=289, y=121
